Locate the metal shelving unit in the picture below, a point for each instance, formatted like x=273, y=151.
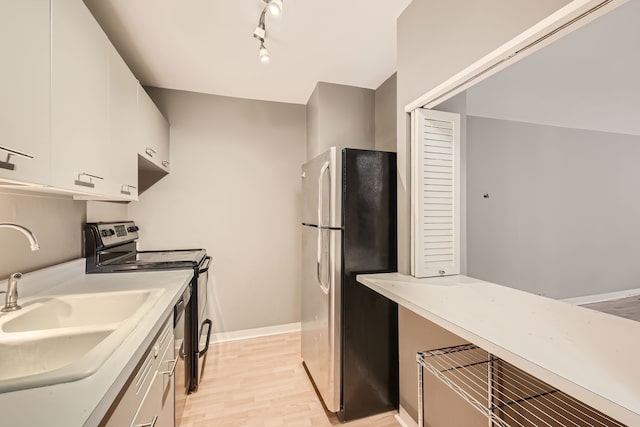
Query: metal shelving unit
x=506, y=395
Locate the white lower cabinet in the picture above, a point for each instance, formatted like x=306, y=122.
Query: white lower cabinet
x=148, y=399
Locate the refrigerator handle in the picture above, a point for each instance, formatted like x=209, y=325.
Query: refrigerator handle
x=325, y=288
x=323, y=170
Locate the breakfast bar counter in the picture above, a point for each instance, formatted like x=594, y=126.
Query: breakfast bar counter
x=587, y=354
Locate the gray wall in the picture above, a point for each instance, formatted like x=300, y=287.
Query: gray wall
x=341, y=116
x=55, y=220
x=443, y=407
x=562, y=216
x=437, y=39
x=385, y=115
x=585, y=80
x=234, y=189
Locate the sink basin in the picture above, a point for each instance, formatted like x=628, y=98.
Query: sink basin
x=77, y=310
x=65, y=338
x=35, y=362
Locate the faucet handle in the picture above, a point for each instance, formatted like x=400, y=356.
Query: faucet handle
x=11, y=300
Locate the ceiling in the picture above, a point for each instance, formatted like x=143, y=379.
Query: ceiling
x=207, y=45
x=586, y=80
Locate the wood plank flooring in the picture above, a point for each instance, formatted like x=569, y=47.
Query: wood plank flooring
x=628, y=308
x=260, y=382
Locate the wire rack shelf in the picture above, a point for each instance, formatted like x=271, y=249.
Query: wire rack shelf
x=506, y=395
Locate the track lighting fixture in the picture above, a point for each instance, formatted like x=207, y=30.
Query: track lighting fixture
x=275, y=8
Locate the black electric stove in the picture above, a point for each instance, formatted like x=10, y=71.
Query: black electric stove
x=111, y=247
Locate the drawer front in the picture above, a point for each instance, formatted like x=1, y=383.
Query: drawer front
x=138, y=385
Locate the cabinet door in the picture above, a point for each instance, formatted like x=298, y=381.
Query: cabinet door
x=123, y=100
x=24, y=91
x=153, y=132
x=79, y=99
x=435, y=201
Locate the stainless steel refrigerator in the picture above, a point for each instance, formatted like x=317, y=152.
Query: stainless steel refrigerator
x=349, y=332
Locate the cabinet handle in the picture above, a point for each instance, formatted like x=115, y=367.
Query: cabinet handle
x=171, y=371
x=89, y=184
x=6, y=164
x=150, y=151
x=165, y=163
x=125, y=189
x=151, y=424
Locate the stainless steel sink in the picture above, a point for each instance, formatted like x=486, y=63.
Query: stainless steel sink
x=65, y=338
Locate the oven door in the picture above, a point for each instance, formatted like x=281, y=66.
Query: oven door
x=205, y=324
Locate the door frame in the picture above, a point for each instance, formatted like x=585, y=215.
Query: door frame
x=557, y=25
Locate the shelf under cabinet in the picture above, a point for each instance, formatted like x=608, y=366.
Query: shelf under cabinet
x=506, y=395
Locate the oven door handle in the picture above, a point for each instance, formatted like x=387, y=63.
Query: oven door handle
x=209, y=323
x=205, y=267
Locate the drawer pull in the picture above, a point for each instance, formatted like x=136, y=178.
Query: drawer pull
x=126, y=189
x=150, y=151
x=171, y=371
x=165, y=163
x=151, y=424
x=89, y=184
x=6, y=164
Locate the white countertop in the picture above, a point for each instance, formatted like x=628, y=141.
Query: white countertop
x=590, y=355
x=84, y=402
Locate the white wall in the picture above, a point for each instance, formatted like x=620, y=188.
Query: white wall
x=234, y=189
x=57, y=222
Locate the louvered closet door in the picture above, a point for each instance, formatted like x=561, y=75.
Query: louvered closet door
x=435, y=183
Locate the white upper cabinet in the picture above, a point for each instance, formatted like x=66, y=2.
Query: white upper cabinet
x=153, y=132
x=72, y=115
x=79, y=99
x=24, y=91
x=123, y=107
x=435, y=186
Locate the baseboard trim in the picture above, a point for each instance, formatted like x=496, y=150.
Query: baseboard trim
x=404, y=419
x=246, y=334
x=590, y=299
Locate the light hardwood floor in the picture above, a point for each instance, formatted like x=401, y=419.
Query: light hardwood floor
x=260, y=382
x=628, y=308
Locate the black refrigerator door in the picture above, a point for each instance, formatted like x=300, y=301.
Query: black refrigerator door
x=369, y=320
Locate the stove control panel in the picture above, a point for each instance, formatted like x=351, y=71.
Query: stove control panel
x=112, y=233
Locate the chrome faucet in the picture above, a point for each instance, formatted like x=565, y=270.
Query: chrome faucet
x=11, y=302
x=32, y=238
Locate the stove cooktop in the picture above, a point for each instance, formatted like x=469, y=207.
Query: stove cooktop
x=112, y=247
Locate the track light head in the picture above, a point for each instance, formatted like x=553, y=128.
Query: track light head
x=264, y=54
x=275, y=7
